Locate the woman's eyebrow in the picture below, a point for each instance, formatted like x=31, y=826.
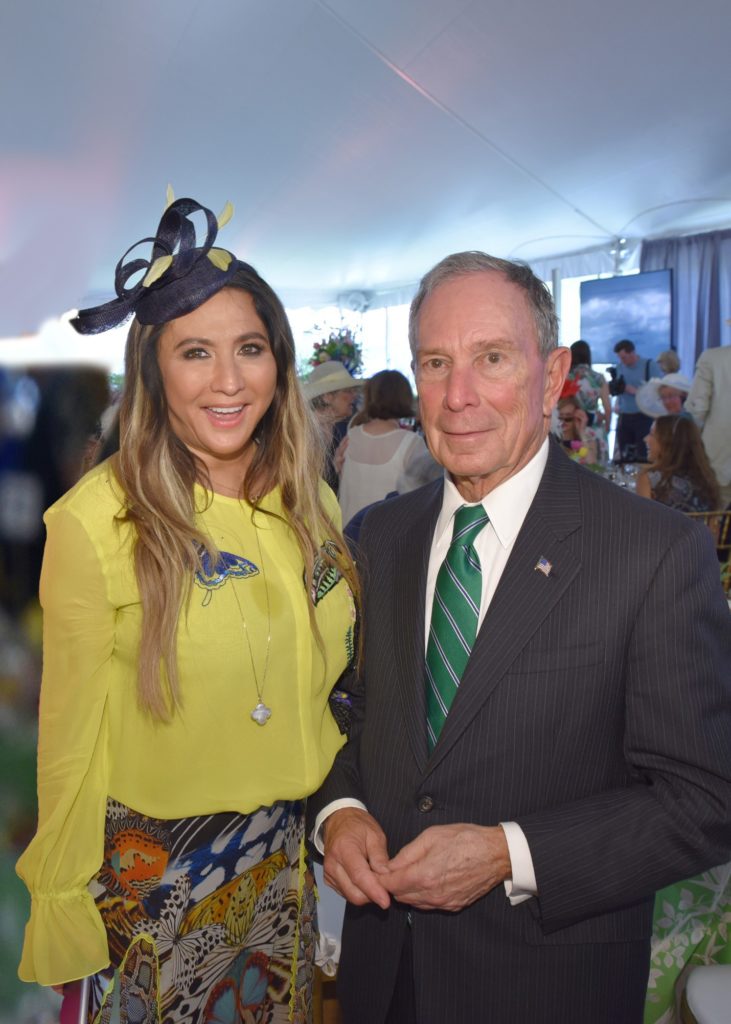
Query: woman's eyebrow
x=194, y=340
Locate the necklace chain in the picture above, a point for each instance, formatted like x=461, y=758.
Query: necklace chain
x=231, y=492
x=261, y=713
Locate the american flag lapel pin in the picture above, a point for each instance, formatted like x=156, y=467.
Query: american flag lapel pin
x=544, y=566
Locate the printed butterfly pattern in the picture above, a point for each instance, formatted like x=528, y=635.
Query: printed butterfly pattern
x=324, y=575
x=211, y=577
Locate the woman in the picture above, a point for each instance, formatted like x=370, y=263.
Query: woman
x=585, y=444
x=668, y=361
x=592, y=387
x=664, y=396
x=197, y=611
x=679, y=473
x=332, y=392
x=381, y=456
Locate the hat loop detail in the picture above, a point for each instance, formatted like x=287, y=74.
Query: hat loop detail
x=178, y=277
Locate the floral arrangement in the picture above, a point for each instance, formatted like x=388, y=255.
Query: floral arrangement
x=342, y=346
x=579, y=452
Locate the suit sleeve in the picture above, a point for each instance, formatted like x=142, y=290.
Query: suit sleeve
x=616, y=847
x=343, y=782
x=701, y=393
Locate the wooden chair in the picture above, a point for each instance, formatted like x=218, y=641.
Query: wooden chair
x=325, y=1006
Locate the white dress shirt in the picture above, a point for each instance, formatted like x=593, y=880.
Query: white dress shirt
x=507, y=506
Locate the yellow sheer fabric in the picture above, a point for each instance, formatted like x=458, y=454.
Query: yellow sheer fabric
x=94, y=741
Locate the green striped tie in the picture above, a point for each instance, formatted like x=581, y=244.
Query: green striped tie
x=454, y=617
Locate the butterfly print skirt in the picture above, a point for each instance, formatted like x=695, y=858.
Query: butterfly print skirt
x=210, y=920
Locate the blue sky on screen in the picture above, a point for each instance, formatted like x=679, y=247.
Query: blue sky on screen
x=637, y=306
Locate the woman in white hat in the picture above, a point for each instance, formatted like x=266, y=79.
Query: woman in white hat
x=331, y=391
x=664, y=396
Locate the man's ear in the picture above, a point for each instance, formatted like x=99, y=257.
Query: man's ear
x=558, y=364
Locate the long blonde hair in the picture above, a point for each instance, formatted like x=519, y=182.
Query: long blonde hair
x=158, y=473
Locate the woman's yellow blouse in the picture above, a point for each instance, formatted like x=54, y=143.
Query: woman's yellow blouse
x=94, y=741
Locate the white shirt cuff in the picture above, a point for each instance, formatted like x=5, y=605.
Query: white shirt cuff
x=522, y=885
x=328, y=809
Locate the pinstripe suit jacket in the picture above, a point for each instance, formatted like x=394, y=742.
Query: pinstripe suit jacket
x=594, y=711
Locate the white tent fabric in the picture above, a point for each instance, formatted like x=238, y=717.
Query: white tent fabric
x=359, y=142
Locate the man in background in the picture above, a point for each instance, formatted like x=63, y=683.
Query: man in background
x=633, y=425
x=709, y=403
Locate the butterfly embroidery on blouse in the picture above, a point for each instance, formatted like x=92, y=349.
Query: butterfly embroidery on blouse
x=324, y=575
x=210, y=577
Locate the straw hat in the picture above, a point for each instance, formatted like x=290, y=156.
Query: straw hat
x=648, y=396
x=326, y=377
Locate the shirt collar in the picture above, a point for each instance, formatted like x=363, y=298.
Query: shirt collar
x=507, y=506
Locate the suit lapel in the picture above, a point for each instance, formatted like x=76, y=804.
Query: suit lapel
x=411, y=562
x=524, y=596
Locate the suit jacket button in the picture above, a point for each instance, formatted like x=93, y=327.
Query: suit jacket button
x=425, y=804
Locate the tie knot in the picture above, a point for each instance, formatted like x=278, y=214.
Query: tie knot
x=468, y=522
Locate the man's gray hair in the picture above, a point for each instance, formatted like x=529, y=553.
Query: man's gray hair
x=461, y=263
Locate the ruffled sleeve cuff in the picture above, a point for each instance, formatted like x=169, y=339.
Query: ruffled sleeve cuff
x=65, y=939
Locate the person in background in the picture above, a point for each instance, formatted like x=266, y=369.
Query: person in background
x=633, y=425
x=668, y=361
x=664, y=396
x=593, y=387
x=679, y=473
x=709, y=403
x=541, y=728
x=673, y=390
x=381, y=456
x=198, y=609
x=359, y=417
x=332, y=392
x=585, y=444
x=49, y=460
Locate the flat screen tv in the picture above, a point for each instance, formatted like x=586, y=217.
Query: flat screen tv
x=636, y=306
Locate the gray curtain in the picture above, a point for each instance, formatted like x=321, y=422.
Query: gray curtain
x=701, y=266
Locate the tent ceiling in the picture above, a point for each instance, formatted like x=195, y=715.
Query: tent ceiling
x=359, y=142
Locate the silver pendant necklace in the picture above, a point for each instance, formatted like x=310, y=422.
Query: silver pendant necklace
x=261, y=712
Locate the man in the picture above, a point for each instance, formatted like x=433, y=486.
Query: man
x=709, y=402
x=633, y=425
x=500, y=864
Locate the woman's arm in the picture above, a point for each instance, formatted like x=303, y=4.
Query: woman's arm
x=65, y=938
x=643, y=484
x=339, y=456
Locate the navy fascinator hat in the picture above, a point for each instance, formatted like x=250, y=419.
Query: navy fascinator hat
x=180, y=275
